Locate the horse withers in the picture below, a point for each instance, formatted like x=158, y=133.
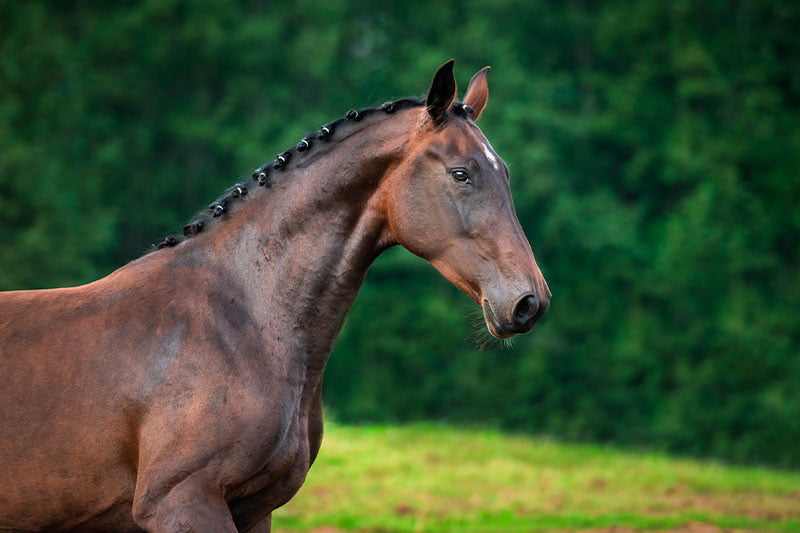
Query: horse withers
x=182, y=392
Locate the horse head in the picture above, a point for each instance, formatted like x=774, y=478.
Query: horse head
x=449, y=202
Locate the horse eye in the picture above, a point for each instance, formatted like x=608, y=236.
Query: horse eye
x=459, y=174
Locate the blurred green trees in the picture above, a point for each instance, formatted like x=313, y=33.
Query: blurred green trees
x=655, y=157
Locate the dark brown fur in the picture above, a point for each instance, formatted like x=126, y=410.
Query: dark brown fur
x=183, y=391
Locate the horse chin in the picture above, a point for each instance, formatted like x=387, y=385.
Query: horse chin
x=493, y=323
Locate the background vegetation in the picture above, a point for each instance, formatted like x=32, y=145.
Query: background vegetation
x=426, y=478
x=655, y=159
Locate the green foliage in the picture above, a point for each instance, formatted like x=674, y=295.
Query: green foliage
x=655, y=158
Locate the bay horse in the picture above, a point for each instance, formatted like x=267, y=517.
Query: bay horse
x=182, y=392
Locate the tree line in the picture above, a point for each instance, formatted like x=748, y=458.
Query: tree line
x=655, y=163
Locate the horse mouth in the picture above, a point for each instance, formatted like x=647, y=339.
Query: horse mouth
x=493, y=323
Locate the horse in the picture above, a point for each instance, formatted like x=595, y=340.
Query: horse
x=182, y=392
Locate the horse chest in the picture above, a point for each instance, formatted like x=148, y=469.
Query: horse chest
x=283, y=475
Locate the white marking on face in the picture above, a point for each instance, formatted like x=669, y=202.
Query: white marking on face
x=487, y=149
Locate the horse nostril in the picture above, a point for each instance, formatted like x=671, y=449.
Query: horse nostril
x=525, y=310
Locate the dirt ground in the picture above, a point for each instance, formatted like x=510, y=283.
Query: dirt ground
x=691, y=527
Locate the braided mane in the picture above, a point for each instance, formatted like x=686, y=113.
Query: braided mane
x=263, y=176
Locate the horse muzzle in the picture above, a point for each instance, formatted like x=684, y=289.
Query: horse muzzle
x=518, y=318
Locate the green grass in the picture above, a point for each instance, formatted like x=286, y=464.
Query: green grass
x=426, y=478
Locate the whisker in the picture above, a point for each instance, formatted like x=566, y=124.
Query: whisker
x=481, y=337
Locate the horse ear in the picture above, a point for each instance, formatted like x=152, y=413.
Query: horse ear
x=478, y=92
x=442, y=93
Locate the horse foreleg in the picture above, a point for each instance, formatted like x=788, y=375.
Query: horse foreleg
x=192, y=505
x=263, y=526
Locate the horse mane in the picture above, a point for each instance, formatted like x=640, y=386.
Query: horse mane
x=264, y=175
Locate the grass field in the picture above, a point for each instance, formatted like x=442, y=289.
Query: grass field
x=426, y=478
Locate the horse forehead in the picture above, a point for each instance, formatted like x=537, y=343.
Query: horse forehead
x=481, y=143
x=471, y=140
x=491, y=155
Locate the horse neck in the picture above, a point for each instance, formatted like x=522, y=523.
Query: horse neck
x=299, y=251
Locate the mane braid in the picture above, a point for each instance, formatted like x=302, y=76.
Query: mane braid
x=263, y=175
